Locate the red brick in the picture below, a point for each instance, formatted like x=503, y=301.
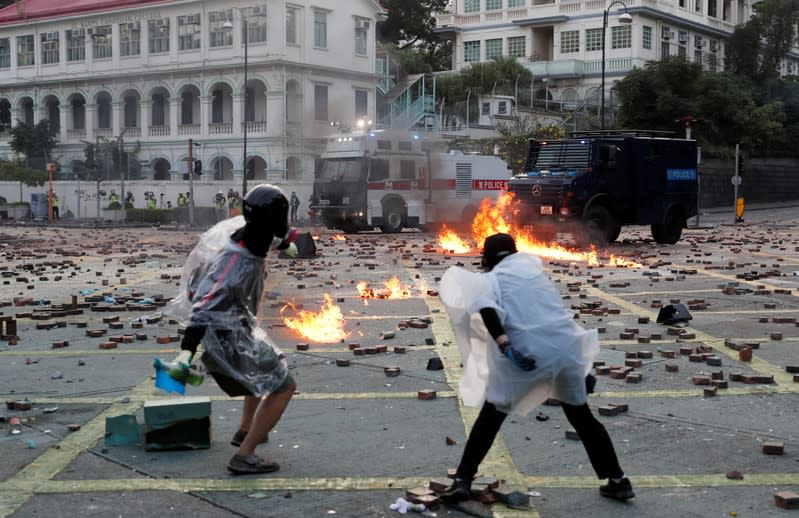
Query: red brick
x=426, y=394
x=608, y=410
x=303, y=347
x=668, y=354
x=773, y=447
x=342, y=363
x=108, y=345
x=602, y=370
x=776, y=336
x=672, y=367
x=633, y=363
x=353, y=346
x=696, y=358
x=645, y=354
x=634, y=377
x=392, y=372
x=398, y=349
x=163, y=340
x=786, y=499
x=686, y=350
x=711, y=391
x=745, y=354
x=700, y=380
x=720, y=384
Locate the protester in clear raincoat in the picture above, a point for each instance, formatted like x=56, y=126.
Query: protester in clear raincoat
x=519, y=347
x=219, y=299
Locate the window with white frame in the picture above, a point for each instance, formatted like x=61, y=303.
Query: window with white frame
x=217, y=34
x=471, y=51
x=25, y=51
x=159, y=35
x=361, y=103
x=485, y=108
x=493, y=5
x=517, y=47
x=49, y=47
x=698, y=6
x=189, y=32
x=665, y=49
x=320, y=102
x=516, y=3
x=256, y=24
x=129, y=39
x=593, y=39
x=502, y=107
x=471, y=6
x=292, y=14
x=712, y=63
x=320, y=29
x=5, y=52
x=361, y=35
x=682, y=51
x=697, y=56
x=493, y=48
x=569, y=42
x=102, y=44
x=646, y=37
x=76, y=45
x=621, y=37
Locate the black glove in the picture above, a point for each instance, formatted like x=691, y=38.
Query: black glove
x=525, y=363
x=191, y=338
x=590, y=383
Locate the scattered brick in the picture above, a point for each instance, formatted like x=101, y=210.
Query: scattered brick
x=775, y=336
x=700, y=379
x=608, y=410
x=773, y=447
x=636, y=363
x=672, y=367
x=426, y=394
x=714, y=361
x=571, y=435
x=786, y=499
x=720, y=384
x=342, y=363
x=634, y=377
x=439, y=485
x=108, y=345
x=392, y=372
x=711, y=391
x=668, y=354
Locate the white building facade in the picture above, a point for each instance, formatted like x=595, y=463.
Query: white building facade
x=155, y=74
x=560, y=41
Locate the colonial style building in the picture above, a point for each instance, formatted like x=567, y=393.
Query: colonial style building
x=561, y=41
x=152, y=74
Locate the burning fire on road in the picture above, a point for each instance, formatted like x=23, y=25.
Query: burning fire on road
x=326, y=326
x=394, y=289
x=496, y=216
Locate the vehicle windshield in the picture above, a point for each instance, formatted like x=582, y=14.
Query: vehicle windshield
x=338, y=169
x=560, y=154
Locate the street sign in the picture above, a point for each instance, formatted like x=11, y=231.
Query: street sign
x=736, y=180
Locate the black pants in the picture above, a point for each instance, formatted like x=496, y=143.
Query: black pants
x=592, y=433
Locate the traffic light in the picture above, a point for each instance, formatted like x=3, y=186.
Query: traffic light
x=198, y=167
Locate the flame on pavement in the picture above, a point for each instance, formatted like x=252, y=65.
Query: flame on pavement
x=339, y=237
x=394, y=289
x=450, y=241
x=326, y=326
x=497, y=216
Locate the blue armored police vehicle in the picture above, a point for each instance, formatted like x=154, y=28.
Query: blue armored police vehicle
x=593, y=183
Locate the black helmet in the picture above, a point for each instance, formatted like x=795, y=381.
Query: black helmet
x=266, y=207
x=495, y=249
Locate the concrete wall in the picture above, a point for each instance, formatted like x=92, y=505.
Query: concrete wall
x=204, y=192
x=763, y=180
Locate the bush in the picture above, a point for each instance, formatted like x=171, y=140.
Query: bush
x=19, y=204
x=3, y=201
x=114, y=205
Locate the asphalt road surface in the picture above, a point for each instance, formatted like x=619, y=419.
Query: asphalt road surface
x=354, y=439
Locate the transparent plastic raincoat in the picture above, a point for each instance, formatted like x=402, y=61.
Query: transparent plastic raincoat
x=532, y=313
x=221, y=290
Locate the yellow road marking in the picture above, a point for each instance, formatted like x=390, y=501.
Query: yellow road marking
x=662, y=481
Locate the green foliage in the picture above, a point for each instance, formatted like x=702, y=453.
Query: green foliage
x=409, y=22
x=3, y=201
x=15, y=171
x=423, y=58
x=656, y=96
x=513, y=142
x=757, y=46
x=498, y=76
x=36, y=142
x=114, y=205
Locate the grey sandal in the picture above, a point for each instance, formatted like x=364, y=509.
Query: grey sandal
x=251, y=464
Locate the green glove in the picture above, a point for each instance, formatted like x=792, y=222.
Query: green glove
x=291, y=251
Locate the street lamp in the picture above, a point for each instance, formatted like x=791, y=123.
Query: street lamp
x=624, y=18
x=228, y=26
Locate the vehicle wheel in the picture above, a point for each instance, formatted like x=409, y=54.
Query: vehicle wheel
x=670, y=231
x=599, y=225
x=392, y=217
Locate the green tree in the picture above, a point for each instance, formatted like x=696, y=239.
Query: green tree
x=16, y=171
x=409, y=22
x=757, y=47
x=662, y=92
x=36, y=142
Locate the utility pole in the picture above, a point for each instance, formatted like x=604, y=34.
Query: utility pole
x=191, y=183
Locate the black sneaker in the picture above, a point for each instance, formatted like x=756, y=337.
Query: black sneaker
x=459, y=491
x=621, y=490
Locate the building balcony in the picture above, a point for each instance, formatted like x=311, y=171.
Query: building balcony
x=76, y=134
x=189, y=129
x=220, y=128
x=565, y=68
x=159, y=131
x=132, y=131
x=102, y=133
x=254, y=127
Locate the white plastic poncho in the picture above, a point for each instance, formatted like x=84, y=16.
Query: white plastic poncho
x=221, y=289
x=537, y=324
